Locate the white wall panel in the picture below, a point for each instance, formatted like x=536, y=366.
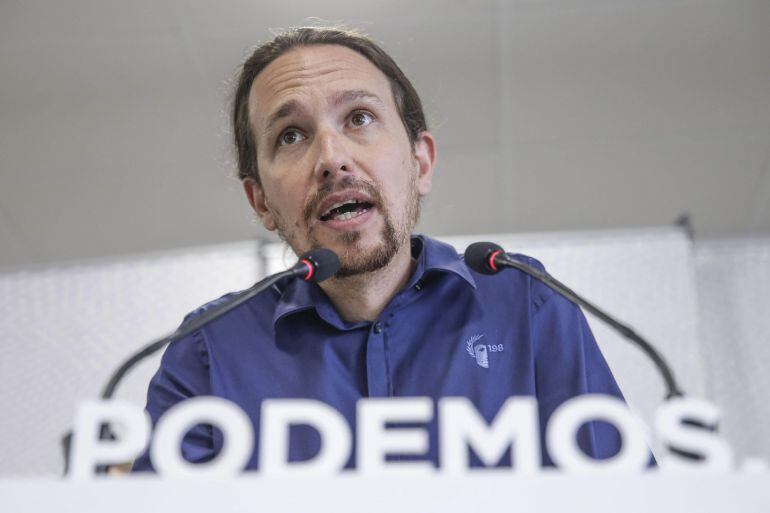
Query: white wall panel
x=64, y=331
x=734, y=290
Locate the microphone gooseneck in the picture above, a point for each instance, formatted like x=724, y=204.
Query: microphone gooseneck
x=489, y=258
x=314, y=266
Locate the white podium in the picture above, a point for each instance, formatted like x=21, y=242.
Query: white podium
x=484, y=491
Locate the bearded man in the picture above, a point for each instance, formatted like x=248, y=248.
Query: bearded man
x=334, y=152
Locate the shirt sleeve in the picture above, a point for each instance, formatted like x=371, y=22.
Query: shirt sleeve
x=183, y=373
x=569, y=363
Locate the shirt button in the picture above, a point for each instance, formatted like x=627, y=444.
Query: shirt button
x=378, y=327
x=418, y=286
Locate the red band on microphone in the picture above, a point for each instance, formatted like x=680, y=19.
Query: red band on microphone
x=491, y=260
x=310, y=269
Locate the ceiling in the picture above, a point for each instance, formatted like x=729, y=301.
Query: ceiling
x=550, y=115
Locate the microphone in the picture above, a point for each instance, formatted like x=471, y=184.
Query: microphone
x=489, y=258
x=480, y=256
x=314, y=266
x=317, y=265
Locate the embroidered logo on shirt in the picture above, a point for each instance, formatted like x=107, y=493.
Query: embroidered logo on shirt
x=479, y=351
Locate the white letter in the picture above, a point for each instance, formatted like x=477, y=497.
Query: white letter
x=131, y=425
x=375, y=441
x=237, y=434
x=515, y=426
x=276, y=417
x=561, y=435
x=717, y=455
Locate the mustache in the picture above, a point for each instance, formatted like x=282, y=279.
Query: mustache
x=346, y=184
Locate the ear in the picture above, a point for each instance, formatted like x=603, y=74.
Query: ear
x=425, y=154
x=256, y=196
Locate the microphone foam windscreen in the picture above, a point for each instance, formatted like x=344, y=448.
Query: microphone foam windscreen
x=325, y=263
x=477, y=256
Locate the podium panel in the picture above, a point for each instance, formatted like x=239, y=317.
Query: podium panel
x=484, y=491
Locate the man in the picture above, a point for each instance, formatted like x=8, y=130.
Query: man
x=334, y=152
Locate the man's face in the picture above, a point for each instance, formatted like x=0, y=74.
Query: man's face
x=336, y=165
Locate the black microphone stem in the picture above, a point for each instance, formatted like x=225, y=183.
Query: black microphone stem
x=626, y=331
x=314, y=266
x=153, y=347
x=189, y=327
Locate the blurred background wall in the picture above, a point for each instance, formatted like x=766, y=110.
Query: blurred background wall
x=549, y=114
x=578, y=123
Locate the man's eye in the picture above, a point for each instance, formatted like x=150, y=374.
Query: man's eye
x=361, y=118
x=290, y=137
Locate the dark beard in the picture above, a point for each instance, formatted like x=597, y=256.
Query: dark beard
x=381, y=257
x=354, y=262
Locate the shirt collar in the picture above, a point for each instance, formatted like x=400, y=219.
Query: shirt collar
x=431, y=255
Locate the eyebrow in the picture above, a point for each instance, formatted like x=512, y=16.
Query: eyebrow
x=292, y=106
x=284, y=111
x=354, y=95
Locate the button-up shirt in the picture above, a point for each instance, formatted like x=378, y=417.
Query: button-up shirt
x=448, y=332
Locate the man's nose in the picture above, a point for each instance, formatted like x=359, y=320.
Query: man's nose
x=333, y=155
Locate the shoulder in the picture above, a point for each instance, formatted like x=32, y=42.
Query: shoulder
x=262, y=304
x=250, y=316
x=539, y=292
x=264, y=298
x=211, y=305
x=515, y=285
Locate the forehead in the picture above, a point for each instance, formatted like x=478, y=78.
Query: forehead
x=313, y=73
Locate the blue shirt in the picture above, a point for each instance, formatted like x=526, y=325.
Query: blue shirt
x=449, y=332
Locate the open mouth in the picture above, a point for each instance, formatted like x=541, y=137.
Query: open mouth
x=345, y=210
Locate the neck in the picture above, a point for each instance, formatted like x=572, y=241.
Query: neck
x=363, y=297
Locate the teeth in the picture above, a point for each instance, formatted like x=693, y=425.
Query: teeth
x=337, y=205
x=349, y=215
